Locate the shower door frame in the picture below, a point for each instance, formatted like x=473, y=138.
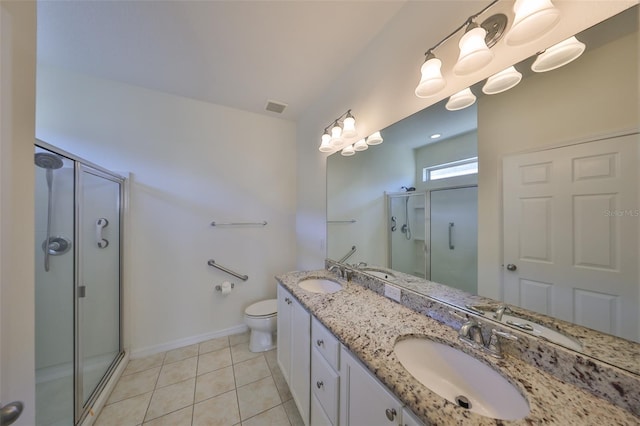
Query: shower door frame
x=81, y=409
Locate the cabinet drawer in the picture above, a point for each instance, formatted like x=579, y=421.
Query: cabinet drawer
x=318, y=416
x=326, y=343
x=325, y=385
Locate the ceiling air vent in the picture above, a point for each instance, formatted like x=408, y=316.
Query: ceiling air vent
x=275, y=106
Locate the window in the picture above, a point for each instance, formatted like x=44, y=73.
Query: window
x=468, y=166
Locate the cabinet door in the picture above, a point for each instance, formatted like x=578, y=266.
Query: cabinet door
x=284, y=332
x=363, y=399
x=300, y=380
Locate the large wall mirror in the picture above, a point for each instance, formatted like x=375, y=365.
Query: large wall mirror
x=528, y=197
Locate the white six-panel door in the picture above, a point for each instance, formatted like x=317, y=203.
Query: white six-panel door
x=571, y=232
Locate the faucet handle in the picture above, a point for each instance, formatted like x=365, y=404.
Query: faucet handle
x=495, y=348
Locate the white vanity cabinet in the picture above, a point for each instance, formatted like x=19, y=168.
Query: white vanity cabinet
x=294, y=346
x=325, y=378
x=363, y=399
x=409, y=419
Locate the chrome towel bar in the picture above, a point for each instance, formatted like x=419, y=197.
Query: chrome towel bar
x=348, y=255
x=263, y=223
x=342, y=221
x=213, y=263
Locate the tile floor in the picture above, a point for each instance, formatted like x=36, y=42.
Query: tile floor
x=217, y=382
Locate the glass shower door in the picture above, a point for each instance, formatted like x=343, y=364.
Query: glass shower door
x=98, y=289
x=54, y=283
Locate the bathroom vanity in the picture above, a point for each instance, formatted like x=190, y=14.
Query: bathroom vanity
x=343, y=368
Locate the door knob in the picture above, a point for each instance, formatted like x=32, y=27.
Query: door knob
x=511, y=267
x=9, y=413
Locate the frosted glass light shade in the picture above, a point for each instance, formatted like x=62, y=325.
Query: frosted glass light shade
x=361, y=145
x=461, y=100
x=502, y=81
x=431, y=81
x=558, y=55
x=474, y=53
x=374, y=139
x=336, y=135
x=533, y=19
x=348, y=151
x=325, y=146
x=349, y=127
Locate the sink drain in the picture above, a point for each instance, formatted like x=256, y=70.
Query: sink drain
x=463, y=401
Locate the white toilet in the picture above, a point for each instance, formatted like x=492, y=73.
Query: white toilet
x=261, y=317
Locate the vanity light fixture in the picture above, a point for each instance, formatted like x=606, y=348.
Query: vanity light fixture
x=361, y=145
x=341, y=135
x=462, y=99
x=374, y=139
x=474, y=52
x=533, y=19
x=431, y=80
x=348, y=151
x=558, y=55
x=502, y=81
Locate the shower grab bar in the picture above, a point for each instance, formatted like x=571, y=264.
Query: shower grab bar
x=263, y=223
x=213, y=263
x=342, y=221
x=348, y=255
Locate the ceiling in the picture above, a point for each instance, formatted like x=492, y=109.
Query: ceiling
x=234, y=53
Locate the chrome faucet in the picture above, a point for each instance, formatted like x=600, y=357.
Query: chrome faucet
x=471, y=332
x=360, y=265
x=500, y=312
x=340, y=269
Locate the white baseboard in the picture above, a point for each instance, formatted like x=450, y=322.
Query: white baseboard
x=186, y=341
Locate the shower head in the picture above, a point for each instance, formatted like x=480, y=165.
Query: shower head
x=47, y=160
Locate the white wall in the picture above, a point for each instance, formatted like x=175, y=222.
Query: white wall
x=379, y=88
x=191, y=163
x=595, y=95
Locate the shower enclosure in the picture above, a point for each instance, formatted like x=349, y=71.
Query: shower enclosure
x=78, y=214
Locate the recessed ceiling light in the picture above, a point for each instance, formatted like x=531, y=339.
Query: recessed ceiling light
x=435, y=136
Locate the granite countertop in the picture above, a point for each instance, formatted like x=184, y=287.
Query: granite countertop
x=369, y=325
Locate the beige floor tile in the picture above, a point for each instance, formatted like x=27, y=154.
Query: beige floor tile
x=181, y=353
x=292, y=412
x=214, y=360
x=171, y=398
x=214, y=383
x=273, y=417
x=213, y=345
x=177, y=372
x=240, y=352
x=134, y=384
x=281, y=384
x=177, y=418
x=272, y=358
x=235, y=339
x=221, y=410
x=251, y=370
x=257, y=397
x=141, y=364
x=128, y=412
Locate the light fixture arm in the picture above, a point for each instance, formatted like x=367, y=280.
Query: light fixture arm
x=338, y=121
x=469, y=21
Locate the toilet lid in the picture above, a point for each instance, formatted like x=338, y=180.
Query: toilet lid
x=262, y=308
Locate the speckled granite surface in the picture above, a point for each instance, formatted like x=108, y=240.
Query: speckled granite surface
x=369, y=324
x=607, y=348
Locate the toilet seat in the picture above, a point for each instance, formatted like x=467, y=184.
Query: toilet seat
x=262, y=309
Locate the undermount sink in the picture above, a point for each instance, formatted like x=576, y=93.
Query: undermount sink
x=542, y=331
x=461, y=378
x=320, y=285
x=380, y=274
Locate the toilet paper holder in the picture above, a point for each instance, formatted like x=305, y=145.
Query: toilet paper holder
x=219, y=287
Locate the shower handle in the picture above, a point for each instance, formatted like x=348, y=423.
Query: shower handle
x=100, y=225
x=394, y=225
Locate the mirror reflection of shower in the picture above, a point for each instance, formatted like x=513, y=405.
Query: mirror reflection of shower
x=406, y=228
x=51, y=245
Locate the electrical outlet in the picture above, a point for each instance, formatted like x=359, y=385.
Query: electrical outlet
x=392, y=292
